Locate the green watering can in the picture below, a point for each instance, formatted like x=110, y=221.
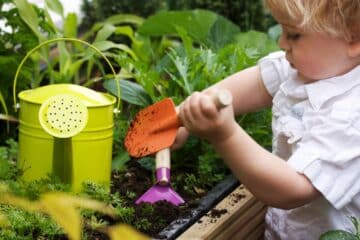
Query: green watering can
x=66, y=130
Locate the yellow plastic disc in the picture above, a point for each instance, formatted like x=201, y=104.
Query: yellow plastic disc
x=63, y=115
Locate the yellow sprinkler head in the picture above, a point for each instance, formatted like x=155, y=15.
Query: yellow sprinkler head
x=63, y=115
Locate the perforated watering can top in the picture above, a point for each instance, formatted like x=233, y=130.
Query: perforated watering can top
x=64, y=107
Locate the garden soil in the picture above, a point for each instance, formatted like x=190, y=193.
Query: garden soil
x=138, y=180
x=131, y=185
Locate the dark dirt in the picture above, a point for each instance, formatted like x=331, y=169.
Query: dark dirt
x=216, y=213
x=137, y=180
x=131, y=185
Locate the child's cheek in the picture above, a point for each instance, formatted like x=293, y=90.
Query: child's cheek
x=310, y=70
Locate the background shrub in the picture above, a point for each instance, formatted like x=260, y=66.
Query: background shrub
x=247, y=14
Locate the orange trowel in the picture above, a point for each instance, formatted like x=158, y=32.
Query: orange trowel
x=154, y=128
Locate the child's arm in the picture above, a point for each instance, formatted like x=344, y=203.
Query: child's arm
x=248, y=90
x=270, y=178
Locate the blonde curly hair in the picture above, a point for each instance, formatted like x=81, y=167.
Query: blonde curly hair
x=340, y=18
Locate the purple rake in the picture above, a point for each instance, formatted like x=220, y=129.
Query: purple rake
x=162, y=190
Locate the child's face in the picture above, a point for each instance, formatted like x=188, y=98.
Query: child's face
x=316, y=55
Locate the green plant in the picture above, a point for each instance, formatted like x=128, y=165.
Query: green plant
x=26, y=25
x=63, y=209
x=343, y=235
x=126, y=214
x=26, y=225
x=99, y=10
x=199, y=55
x=248, y=14
x=143, y=224
x=16, y=38
x=8, y=156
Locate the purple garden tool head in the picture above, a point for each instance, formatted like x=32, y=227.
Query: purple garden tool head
x=162, y=190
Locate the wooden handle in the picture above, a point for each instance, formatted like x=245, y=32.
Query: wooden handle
x=162, y=163
x=220, y=98
x=162, y=158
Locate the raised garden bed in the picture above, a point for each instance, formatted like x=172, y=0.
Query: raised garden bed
x=167, y=221
x=228, y=210
x=238, y=216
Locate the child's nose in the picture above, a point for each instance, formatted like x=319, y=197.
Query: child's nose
x=283, y=42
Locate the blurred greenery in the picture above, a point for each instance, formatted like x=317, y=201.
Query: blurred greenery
x=247, y=14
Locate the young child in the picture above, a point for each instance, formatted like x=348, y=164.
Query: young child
x=311, y=181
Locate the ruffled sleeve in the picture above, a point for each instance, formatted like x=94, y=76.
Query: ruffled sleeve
x=329, y=155
x=274, y=70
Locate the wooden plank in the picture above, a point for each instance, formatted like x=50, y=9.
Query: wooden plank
x=257, y=233
x=236, y=204
x=243, y=219
x=247, y=229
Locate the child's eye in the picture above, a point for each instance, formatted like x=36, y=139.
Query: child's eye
x=293, y=36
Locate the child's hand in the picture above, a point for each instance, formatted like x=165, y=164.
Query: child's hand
x=200, y=116
x=181, y=137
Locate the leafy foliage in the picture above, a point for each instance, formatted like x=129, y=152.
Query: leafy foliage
x=203, y=58
x=343, y=235
x=247, y=14
x=8, y=155
x=23, y=204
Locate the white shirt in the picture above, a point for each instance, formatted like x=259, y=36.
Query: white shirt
x=316, y=129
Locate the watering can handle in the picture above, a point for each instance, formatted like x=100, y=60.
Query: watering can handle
x=71, y=40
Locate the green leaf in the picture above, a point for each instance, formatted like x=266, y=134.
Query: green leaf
x=70, y=26
x=165, y=22
x=120, y=160
x=256, y=43
x=3, y=104
x=125, y=18
x=55, y=6
x=105, y=32
x=147, y=163
x=356, y=222
x=338, y=235
x=203, y=26
x=106, y=45
x=115, y=20
x=221, y=33
x=29, y=16
x=65, y=62
x=130, y=92
x=75, y=67
x=127, y=31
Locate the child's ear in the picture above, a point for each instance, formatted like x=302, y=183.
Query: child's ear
x=354, y=49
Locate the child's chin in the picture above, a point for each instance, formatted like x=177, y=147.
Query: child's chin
x=306, y=79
